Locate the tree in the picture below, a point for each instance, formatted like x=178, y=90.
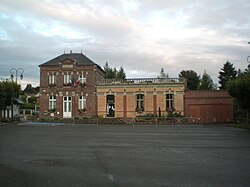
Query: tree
x=192, y=78
x=206, y=83
x=112, y=73
x=8, y=89
x=28, y=89
x=162, y=74
x=3, y=96
x=240, y=89
x=121, y=73
x=226, y=74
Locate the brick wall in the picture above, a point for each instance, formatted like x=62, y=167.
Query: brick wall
x=210, y=106
x=60, y=90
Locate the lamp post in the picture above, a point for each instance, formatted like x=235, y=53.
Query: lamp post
x=248, y=60
x=14, y=73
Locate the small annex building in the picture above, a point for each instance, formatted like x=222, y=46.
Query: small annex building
x=211, y=106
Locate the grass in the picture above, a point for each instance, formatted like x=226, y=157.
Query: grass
x=242, y=126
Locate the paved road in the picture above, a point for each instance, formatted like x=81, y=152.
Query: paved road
x=124, y=156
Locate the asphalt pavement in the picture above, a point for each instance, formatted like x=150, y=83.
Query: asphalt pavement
x=109, y=155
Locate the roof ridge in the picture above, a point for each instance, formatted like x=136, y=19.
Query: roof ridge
x=79, y=57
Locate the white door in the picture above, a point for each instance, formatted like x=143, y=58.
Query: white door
x=67, y=107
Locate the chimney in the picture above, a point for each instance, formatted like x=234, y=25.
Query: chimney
x=70, y=51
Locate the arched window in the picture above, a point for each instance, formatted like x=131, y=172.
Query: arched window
x=110, y=105
x=140, y=103
x=170, y=102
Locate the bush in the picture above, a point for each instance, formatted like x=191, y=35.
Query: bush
x=174, y=114
x=4, y=120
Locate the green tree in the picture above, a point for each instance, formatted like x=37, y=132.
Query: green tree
x=3, y=96
x=226, y=74
x=29, y=89
x=8, y=89
x=112, y=73
x=109, y=72
x=240, y=89
x=206, y=83
x=32, y=99
x=192, y=78
x=121, y=73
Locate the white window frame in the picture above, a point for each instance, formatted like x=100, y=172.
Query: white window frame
x=52, y=79
x=52, y=102
x=67, y=104
x=82, y=78
x=82, y=102
x=66, y=79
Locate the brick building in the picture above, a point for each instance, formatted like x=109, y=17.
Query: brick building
x=68, y=86
x=71, y=85
x=211, y=106
x=133, y=97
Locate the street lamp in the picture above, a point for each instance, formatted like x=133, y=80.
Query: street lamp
x=14, y=74
x=248, y=59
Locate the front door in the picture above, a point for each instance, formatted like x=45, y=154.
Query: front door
x=67, y=107
x=110, y=106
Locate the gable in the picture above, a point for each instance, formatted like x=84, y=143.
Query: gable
x=79, y=58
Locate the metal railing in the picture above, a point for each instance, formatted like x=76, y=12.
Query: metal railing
x=140, y=81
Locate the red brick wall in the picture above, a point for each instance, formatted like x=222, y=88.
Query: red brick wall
x=210, y=106
x=59, y=90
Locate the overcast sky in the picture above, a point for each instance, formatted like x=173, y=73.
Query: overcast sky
x=141, y=36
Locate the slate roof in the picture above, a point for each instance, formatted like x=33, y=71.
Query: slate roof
x=78, y=57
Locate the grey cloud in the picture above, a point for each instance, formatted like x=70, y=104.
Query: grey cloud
x=111, y=33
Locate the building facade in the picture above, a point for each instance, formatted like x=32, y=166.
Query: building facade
x=68, y=86
x=211, y=106
x=135, y=97
x=71, y=85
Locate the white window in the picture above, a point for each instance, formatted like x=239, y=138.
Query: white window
x=82, y=78
x=52, y=102
x=82, y=102
x=66, y=79
x=52, y=79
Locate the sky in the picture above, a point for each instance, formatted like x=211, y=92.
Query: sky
x=142, y=36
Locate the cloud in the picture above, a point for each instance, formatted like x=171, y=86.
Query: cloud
x=141, y=36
